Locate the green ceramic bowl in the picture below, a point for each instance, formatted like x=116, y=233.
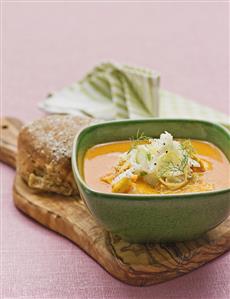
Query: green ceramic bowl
x=148, y=218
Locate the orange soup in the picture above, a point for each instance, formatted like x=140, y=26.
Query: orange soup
x=100, y=160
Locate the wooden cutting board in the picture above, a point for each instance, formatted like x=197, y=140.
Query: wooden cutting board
x=135, y=264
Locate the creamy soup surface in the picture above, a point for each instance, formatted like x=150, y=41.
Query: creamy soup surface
x=101, y=159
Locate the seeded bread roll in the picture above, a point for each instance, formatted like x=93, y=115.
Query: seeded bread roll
x=44, y=153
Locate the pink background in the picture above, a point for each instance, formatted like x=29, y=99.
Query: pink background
x=49, y=45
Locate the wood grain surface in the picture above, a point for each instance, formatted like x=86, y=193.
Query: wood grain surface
x=136, y=264
x=8, y=139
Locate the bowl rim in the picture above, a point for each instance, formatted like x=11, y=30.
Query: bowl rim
x=133, y=197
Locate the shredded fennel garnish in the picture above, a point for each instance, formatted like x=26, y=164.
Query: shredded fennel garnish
x=156, y=161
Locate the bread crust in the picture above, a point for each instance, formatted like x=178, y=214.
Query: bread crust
x=44, y=153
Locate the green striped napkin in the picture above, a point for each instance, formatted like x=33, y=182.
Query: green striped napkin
x=109, y=91
x=173, y=105
x=115, y=91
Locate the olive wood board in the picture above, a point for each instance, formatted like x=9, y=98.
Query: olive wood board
x=135, y=264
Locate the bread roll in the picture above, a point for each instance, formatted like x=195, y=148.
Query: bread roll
x=44, y=153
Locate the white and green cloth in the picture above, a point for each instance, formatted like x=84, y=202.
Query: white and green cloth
x=110, y=91
x=115, y=91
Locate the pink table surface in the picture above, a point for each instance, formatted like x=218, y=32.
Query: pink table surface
x=48, y=45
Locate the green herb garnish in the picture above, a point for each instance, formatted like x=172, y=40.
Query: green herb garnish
x=170, y=167
x=143, y=173
x=187, y=146
x=138, y=139
x=149, y=156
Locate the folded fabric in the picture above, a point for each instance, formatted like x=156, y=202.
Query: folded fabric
x=115, y=91
x=109, y=91
x=175, y=106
